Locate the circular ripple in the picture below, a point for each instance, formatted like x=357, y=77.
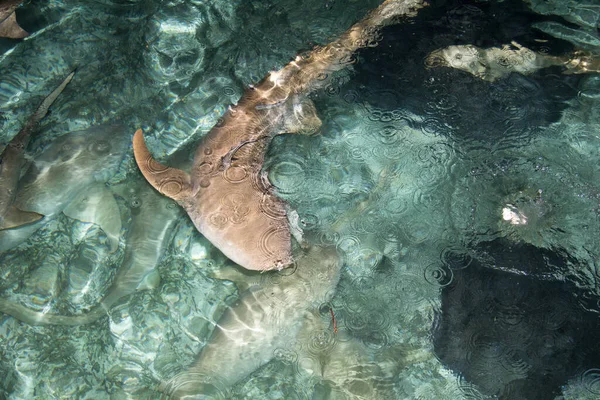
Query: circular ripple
x=171, y=186
x=376, y=340
x=591, y=380
x=154, y=167
x=321, y=342
x=235, y=174
x=309, y=221
x=288, y=176
x=396, y=206
x=269, y=241
x=329, y=238
x=286, y=356
x=515, y=365
x=438, y=275
x=218, y=220
x=234, y=205
x=190, y=384
x=456, y=258
x=272, y=207
x=229, y=91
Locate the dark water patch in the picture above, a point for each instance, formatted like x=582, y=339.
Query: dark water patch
x=455, y=102
x=511, y=334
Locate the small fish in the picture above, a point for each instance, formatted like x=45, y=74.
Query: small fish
x=9, y=28
x=11, y=163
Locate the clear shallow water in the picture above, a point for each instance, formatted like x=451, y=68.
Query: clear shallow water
x=408, y=177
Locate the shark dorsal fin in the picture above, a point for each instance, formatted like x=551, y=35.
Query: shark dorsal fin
x=9, y=28
x=171, y=182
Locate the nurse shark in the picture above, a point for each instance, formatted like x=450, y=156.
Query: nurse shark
x=495, y=63
x=232, y=203
x=66, y=168
x=9, y=28
x=152, y=221
x=227, y=195
x=11, y=163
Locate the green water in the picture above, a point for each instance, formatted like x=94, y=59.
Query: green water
x=408, y=177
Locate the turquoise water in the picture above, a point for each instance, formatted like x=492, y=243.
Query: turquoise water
x=465, y=209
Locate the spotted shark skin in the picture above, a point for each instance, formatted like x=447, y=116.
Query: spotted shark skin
x=9, y=28
x=12, y=161
x=491, y=64
x=227, y=196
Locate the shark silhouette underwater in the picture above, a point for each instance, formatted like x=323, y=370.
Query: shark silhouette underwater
x=9, y=28
x=232, y=203
x=11, y=163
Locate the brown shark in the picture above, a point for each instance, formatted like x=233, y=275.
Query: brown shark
x=229, y=199
x=11, y=162
x=9, y=28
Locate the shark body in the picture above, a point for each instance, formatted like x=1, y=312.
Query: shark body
x=229, y=199
x=495, y=63
x=9, y=28
x=152, y=221
x=265, y=318
x=11, y=163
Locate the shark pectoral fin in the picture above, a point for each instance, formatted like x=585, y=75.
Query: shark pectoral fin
x=98, y=206
x=302, y=117
x=16, y=218
x=171, y=182
x=242, y=278
x=9, y=28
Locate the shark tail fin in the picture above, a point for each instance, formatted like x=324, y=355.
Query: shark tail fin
x=9, y=28
x=42, y=110
x=16, y=218
x=171, y=182
x=31, y=317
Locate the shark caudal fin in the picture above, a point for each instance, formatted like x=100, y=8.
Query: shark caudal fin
x=171, y=182
x=32, y=317
x=15, y=218
x=9, y=28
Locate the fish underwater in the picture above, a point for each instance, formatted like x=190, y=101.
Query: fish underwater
x=495, y=63
x=153, y=218
x=227, y=195
x=62, y=171
x=269, y=316
x=232, y=203
x=9, y=28
x=12, y=161
x=265, y=318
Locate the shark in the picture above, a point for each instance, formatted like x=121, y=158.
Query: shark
x=227, y=195
x=153, y=218
x=12, y=161
x=265, y=318
x=9, y=28
x=66, y=168
x=493, y=63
